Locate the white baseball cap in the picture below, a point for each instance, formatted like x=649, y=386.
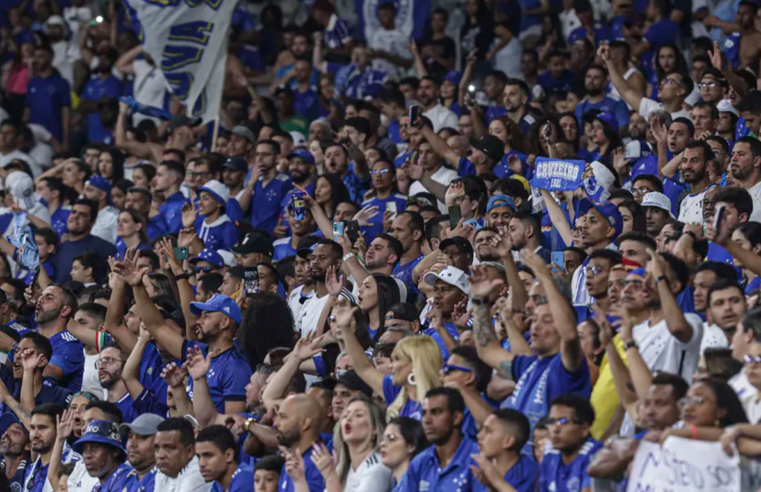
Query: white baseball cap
x=725, y=106
x=451, y=275
x=658, y=200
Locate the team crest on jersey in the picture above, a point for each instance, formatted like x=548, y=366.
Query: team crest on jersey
x=403, y=10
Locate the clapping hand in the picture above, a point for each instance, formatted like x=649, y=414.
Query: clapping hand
x=198, y=365
x=174, y=375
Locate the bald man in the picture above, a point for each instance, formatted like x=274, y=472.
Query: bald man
x=297, y=423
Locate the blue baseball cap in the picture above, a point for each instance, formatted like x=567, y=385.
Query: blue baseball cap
x=609, y=120
x=102, y=432
x=210, y=256
x=607, y=209
x=236, y=164
x=500, y=201
x=302, y=154
x=453, y=76
x=219, y=303
x=102, y=184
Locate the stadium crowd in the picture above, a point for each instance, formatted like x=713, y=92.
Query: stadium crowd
x=496, y=250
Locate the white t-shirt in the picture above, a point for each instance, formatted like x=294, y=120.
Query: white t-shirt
x=755, y=194
x=371, y=476
x=647, y=106
x=189, y=480
x=6, y=159
x=90, y=379
x=150, y=87
x=713, y=337
x=80, y=480
x=691, y=208
x=394, y=42
x=508, y=59
x=105, y=224
x=752, y=406
x=441, y=117
x=444, y=176
x=310, y=314
x=662, y=351
x=739, y=382
x=294, y=301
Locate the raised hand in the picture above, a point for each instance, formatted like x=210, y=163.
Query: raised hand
x=606, y=331
x=185, y=239
x=535, y=263
x=189, y=215
x=333, y=282
x=64, y=425
x=323, y=460
x=480, y=284
x=715, y=56
x=619, y=159
x=130, y=273
x=167, y=250
x=294, y=463
x=174, y=375
x=31, y=361
x=307, y=347
x=659, y=130
x=198, y=365
x=344, y=313
x=604, y=52
x=472, y=57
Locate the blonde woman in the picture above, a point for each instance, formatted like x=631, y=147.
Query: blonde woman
x=415, y=365
x=359, y=467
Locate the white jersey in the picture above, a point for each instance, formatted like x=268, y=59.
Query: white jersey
x=443, y=176
x=755, y=194
x=371, y=476
x=662, y=351
x=394, y=42
x=310, y=314
x=691, y=208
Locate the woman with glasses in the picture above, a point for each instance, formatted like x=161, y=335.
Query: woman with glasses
x=131, y=232
x=385, y=196
x=402, y=440
x=357, y=466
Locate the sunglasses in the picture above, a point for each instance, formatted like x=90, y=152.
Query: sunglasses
x=448, y=368
x=561, y=421
x=202, y=269
x=750, y=359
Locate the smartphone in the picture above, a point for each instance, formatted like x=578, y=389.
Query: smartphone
x=251, y=280
x=352, y=230
x=338, y=228
x=414, y=113
x=474, y=223
x=391, y=207
x=181, y=253
x=718, y=218
x=454, y=216
x=472, y=89
x=558, y=258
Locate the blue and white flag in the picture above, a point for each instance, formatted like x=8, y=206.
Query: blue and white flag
x=411, y=16
x=557, y=175
x=187, y=39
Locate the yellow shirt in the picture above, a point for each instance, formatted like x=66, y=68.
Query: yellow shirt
x=604, y=397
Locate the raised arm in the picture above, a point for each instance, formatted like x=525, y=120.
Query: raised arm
x=440, y=146
x=563, y=314
x=138, y=149
x=675, y=321
x=203, y=406
x=628, y=94
x=175, y=376
x=362, y=364
x=487, y=343
x=125, y=63
x=131, y=371
x=183, y=284
x=557, y=217
x=277, y=387
x=113, y=323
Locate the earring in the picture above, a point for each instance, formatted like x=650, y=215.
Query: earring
x=411, y=379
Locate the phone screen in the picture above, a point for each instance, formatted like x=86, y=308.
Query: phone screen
x=338, y=228
x=558, y=258
x=454, y=216
x=251, y=280
x=414, y=112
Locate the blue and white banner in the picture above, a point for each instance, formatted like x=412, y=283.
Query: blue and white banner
x=557, y=175
x=187, y=40
x=411, y=16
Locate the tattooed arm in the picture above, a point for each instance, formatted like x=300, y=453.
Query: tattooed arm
x=487, y=342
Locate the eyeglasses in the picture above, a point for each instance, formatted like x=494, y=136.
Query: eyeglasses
x=331, y=319
x=448, y=368
x=106, y=361
x=594, y=269
x=561, y=421
x=669, y=81
x=380, y=171
x=708, y=85
x=691, y=400
x=750, y=359
x=641, y=191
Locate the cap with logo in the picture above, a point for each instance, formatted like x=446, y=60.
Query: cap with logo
x=218, y=303
x=236, y=164
x=209, y=256
x=450, y=275
x=656, y=199
x=462, y=244
x=302, y=154
x=101, y=432
x=726, y=106
x=218, y=190
x=498, y=201
x=608, y=210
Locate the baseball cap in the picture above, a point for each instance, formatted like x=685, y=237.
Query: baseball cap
x=609, y=120
x=217, y=190
x=656, y=199
x=298, y=139
x=636, y=149
x=302, y=154
x=102, y=432
x=725, y=106
x=218, y=303
x=242, y=131
x=450, y=275
x=607, y=209
x=145, y=425
x=236, y=164
x=491, y=146
x=461, y=243
x=353, y=382
x=498, y=201
x=453, y=76
x=210, y=256
x=254, y=243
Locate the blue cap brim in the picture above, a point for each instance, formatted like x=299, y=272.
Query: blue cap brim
x=199, y=307
x=79, y=445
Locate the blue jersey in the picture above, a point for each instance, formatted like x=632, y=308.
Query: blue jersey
x=617, y=108
x=283, y=249
x=522, y=476
x=117, y=480
x=155, y=227
x=503, y=170
x=68, y=354
x=426, y=474
x=376, y=223
x=46, y=97
x=352, y=83
x=36, y=477
x=50, y=392
x=403, y=272
x=172, y=212
x=58, y=220
x=494, y=111
x=145, y=403
x=356, y=186
x=307, y=103
x=559, y=85
x=121, y=247
x=220, y=234
x=539, y=381
x=242, y=480
x=602, y=33
x=311, y=473
x=451, y=329
x=526, y=122
x=556, y=476
x=151, y=365
x=16, y=482
x=411, y=408
x=95, y=90
x=134, y=484
x=227, y=378
x=69, y=249
x=267, y=200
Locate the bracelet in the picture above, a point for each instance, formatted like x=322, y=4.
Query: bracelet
x=662, y=277
x=629, y=345
x=480, y=301
x=183, y=276
x=349, y=256
x=694, y=431
x=692, y=235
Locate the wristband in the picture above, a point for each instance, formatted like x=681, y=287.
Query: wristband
x=628, y=345
x=182, y=276
x=349, y=256
x=692, y=235
x=662, y=277
x=480, y=301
